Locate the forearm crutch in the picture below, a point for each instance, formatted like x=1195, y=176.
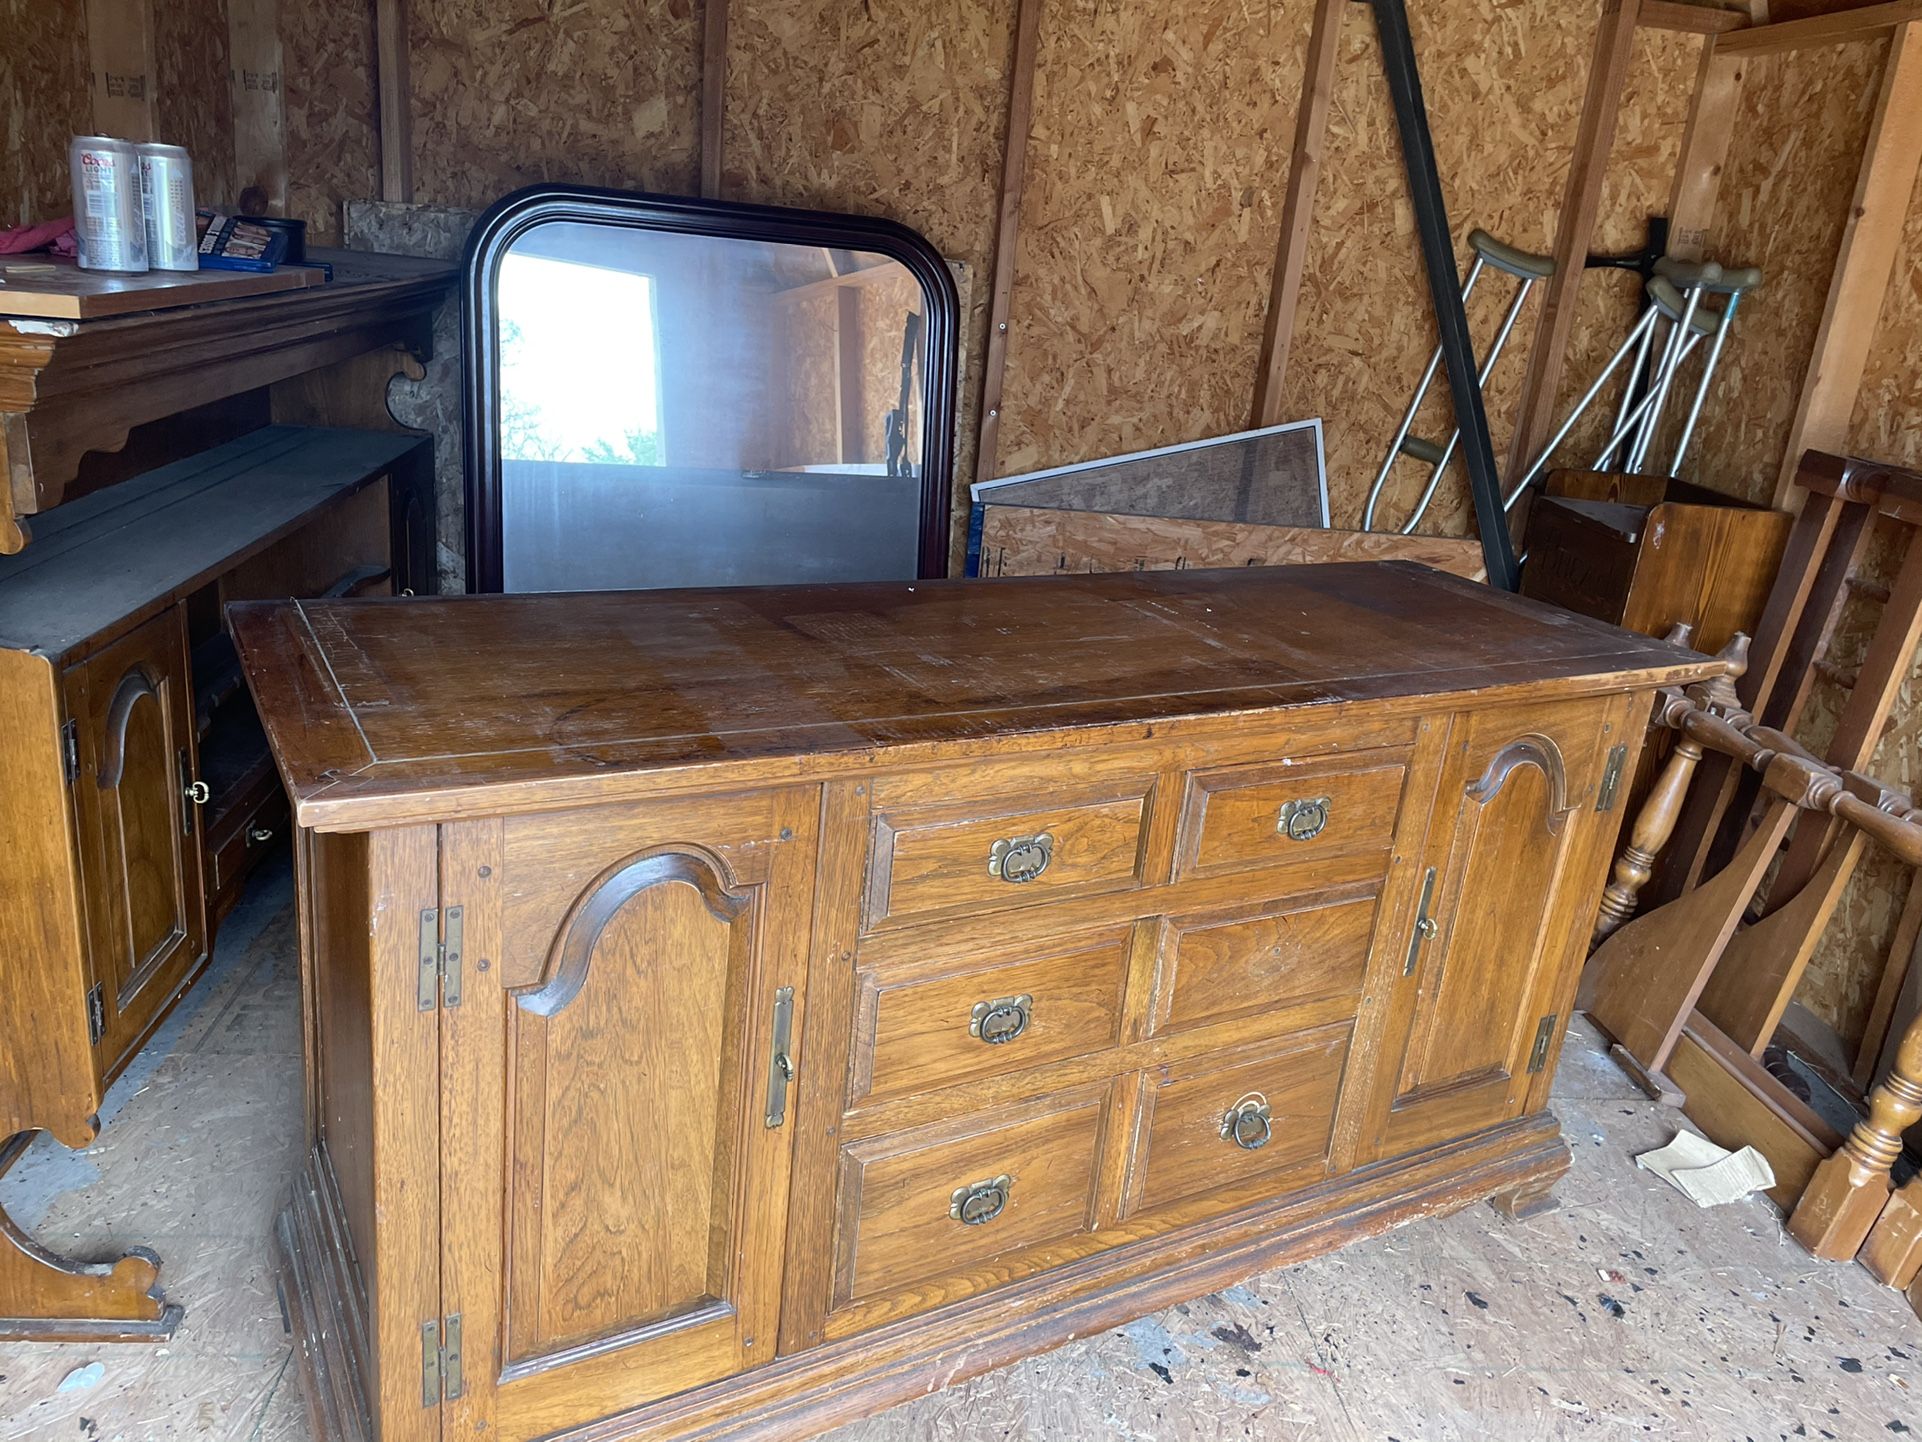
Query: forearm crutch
x=1682, y=284
x=1734, y=284
x=1527, y=268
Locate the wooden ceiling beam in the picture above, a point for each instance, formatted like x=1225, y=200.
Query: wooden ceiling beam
x=1864, y=23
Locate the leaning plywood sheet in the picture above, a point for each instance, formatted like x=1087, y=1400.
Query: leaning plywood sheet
x=1016, y=541
x=1783, y=204
x=1272, y=477
x=1156, y=169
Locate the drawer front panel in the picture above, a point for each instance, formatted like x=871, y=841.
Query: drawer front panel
x=1192, y=1137
x=937, y=1202
x=1252, y=816
x=921, y=1026
x=1219, y=967
x=1006, y=853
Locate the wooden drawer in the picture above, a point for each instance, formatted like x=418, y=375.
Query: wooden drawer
x=924, y=1208
x=1280, y=959
x=923, y=1024
x=233, y=851
x=1280, y=814
x=1003, y=850
x=1184, y=1140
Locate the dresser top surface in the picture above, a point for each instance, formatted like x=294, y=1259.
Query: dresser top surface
x=374, y=707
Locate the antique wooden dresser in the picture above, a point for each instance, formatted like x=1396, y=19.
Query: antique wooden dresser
x=730, y=1012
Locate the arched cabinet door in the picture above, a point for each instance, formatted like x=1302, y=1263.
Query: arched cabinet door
x=638, y=1019
x=1498, y=897
x=141, y=859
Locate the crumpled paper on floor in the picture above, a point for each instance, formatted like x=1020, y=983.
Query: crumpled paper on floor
x=1708, y=1175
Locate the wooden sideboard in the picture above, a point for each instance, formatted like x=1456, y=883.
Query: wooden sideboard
x=730, y=1012
x=139, y=787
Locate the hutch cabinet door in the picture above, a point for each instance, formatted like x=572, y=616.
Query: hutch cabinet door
x=616, y=1124
x=132, y=710
x=1501, y=909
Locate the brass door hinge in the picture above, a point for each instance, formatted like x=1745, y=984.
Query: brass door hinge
x=1544, y=1037
x=1611, y=778
x=96, y=1014
x=440, y=1360
x=440, y=970
x=70, y=750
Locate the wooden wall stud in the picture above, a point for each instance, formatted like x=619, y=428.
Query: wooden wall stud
x=120, y=51
x=1014, y=172
x=260, y=142
x=396, y=101
x=1298, y=209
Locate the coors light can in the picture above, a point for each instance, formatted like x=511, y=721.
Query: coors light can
x=167, y=194
x=107, y=214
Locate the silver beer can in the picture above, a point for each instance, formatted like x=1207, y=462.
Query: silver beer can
x=167, y=195
x=108, y=217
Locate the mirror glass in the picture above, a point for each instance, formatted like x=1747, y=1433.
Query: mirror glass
x=677, y=409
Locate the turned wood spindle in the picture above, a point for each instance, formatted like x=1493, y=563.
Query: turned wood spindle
x=1662, y=808
x=1850, y=1189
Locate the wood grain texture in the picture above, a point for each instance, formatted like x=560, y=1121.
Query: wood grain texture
x=193, y=91
x=1029, y=541
x=935, y=663
x=51, y=1082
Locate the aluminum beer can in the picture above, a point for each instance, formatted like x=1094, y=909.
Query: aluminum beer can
x=107, y=215
x=167, y=195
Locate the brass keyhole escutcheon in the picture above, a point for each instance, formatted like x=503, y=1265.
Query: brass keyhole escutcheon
x=1020, y=858
x=979, y=1203
x=1305, y=818
x=1248, y=1124
x=1000, y=1021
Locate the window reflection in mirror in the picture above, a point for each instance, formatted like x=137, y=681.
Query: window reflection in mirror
x=679, y=410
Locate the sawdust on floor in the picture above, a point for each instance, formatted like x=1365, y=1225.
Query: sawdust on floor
x=1627, y=1312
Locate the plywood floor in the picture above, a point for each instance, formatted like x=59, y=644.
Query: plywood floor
x=1625, y=1314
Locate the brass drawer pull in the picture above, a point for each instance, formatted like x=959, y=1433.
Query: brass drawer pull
x=1247, y=1123
x=979, y=1203
x=1020, y=858
x=1304, y=819
x=1000, y=1021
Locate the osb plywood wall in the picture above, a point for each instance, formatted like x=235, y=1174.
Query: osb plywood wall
x=1156, y=166
x=507, y=94
x=333, y=145
x=1504, y=81
x=895, y=108
x=43, y=101
x=1641, y=166
x=193, y=99
x=1783, y=203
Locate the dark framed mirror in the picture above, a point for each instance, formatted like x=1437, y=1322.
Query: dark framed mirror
x=675, y=392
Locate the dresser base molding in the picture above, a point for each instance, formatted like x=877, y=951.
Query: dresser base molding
x=54, y=1299
x=1512, y=1166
